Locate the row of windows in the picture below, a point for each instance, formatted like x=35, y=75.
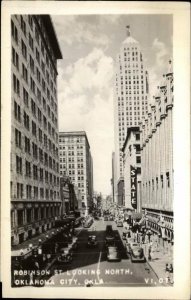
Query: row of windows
x=29, y=167
x=39, y=43
x=35, y=213
x=128, y=92
x=155, y=182
x=33, y=86
x=71, y=140
x=15, y=60
x=71, y=147
x=31, y=125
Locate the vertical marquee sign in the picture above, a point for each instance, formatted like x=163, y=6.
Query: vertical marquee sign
x=133, y=187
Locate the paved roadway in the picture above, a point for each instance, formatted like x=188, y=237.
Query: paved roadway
x=91, y=265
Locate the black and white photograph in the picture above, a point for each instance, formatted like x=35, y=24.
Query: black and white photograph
x=94, y=188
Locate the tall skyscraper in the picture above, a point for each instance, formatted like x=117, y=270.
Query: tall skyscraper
x=35, y=190
x=76, y=162
x=131, y=94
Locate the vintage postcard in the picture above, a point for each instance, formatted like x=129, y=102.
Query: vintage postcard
x=95, y=150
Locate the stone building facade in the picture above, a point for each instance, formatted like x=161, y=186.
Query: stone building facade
x=157, y=161
x=76, y=162
x=130, y=95
x=35, y=191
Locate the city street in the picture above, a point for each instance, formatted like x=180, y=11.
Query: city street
x=90, y=265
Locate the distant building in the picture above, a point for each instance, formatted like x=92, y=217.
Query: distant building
x=132, y=169
x=70, y=196
x=35, y=188
x=120, y=191
x=76, y=162
x=157, y=161
x=131, y=94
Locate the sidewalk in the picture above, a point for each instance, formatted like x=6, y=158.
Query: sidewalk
x=158, y=263
x=34, y=241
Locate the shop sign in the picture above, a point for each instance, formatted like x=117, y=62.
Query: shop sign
x=133, y=187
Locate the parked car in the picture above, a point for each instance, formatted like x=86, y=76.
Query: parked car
x=65, y=255
x=128, y=243
x=105, y=218
x=124, y=235
x=92, y=241
x=136, y=252
x=119, y=224
x=88, y=223
x=113, y=254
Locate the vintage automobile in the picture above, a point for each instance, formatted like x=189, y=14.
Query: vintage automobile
x=113, y=254
x=109, y=240
x=136, y=252
x=92, y=241
x=106, y=218
x=65, y=255
x=124, y=235
x=88, y=223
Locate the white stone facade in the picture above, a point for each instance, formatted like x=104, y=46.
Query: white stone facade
x=35, y=190
x=131, y=95
x=76, y=162
x=157, y=158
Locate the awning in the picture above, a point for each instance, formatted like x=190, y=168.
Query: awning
x=136, y=216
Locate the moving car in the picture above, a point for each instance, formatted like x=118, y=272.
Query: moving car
x=113, y=254
x=109, y=241
x=92, y=241
x=65, y=255
x=109, y=229
x=136, y=252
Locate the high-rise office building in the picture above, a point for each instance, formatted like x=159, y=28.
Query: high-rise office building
x=131, y=94
x=76, y=162
x=35, y=191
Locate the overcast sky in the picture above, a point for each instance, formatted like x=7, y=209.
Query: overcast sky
x=89, y=44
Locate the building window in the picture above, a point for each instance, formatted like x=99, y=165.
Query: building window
x=33, y=128
x=26, y=120
x=15, y=58
x=16, y=85
x=137, y=136
x=25, y=97
x=161, y=178
x=19, y=190
x=23, y=25
x=27, y=169
x=14, y=32
x=17, y=111
x=24, y=73
x=29, y=189
x=27, y=145
x=35, y=172
x=18, y=164
x=168, y=179
x=24, y=50
x=18, y=138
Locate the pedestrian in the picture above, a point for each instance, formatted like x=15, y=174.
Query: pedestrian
x=167, y=273
x=149, y=254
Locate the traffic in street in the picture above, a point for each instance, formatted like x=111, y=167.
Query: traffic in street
x=102, y=256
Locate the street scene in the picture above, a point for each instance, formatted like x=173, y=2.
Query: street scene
x=91, y=151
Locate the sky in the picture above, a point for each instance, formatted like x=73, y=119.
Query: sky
x=89, y=45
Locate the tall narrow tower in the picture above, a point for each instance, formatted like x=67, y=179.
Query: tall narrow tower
x=131, y=94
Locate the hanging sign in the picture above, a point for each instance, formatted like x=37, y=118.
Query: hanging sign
x=133, y=187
